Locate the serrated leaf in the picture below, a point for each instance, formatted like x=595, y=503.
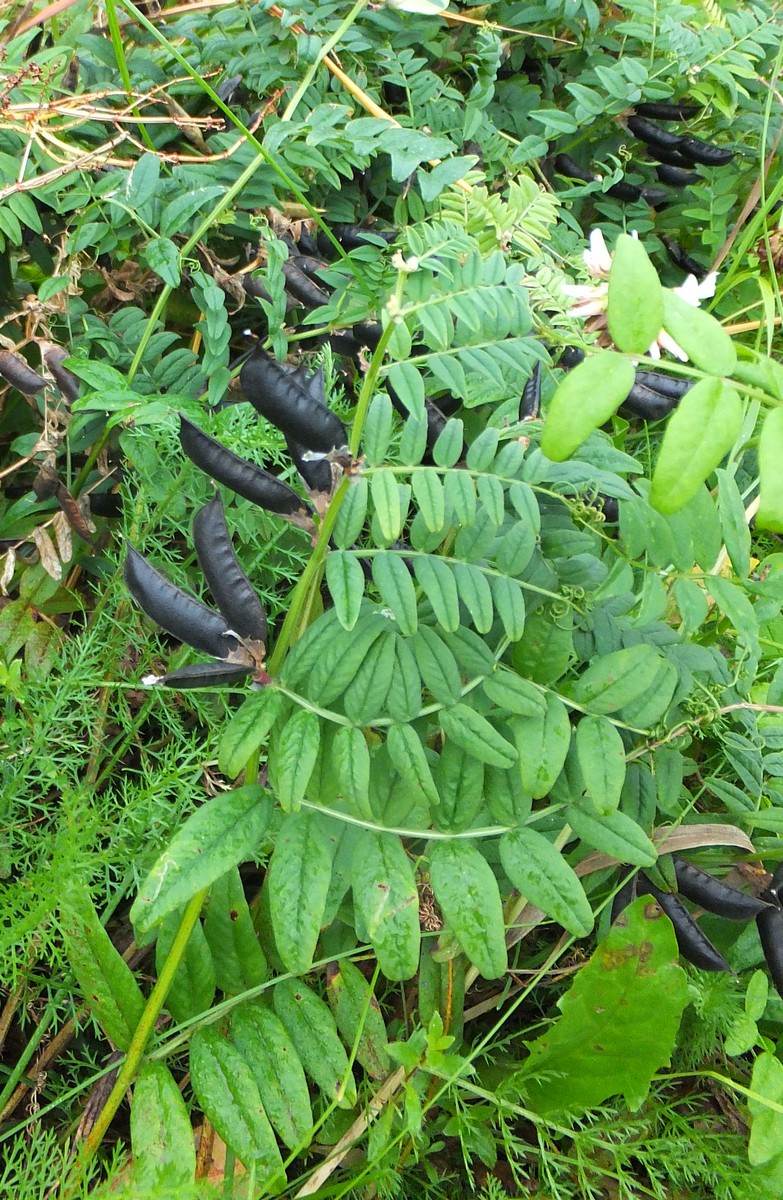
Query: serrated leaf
x=587, y=397
x=635, y=302
x=225, y=831
x=296, y=751
x=437, y=580
x=393, y=581
x=616, y=835
x=466, y=890
x=699, y=434
x=226, y=1091
x=345, y=578
x=698, y=333
x=542, y=740
x=385, y=895
x=617, y=679
x=164, y=1154
x=476, y=594
x=352, y=764
x=228, y=928
x=475, y=734
x=312, y=1029
x=429, y=496
x=583, y=1058
x=601, y=755
x=539, y=872
x=358, y=1016
x=105, y=980
x=247, y=730
x=299, y=874
x=264, y=1043
x=410, y=761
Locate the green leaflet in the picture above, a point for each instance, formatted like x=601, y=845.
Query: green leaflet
x=631, y=992
x=618, y=678
x=615, y=834
x=248, y=729
x=398, y=592
x=365, y=697
x=264, y=1043
x=448, y=447
x=491, y=495
x=735, y=529
x=461, y=496
x=587, y=397
x=539, y=872
x=467, y=892
x=442, y=990
x=352, y=514
x=545, y=648
x=459, y=778
x=770, y=453
x=509, y=601
x=225, y=831
x=386, y=500
x=192, y=989
x=312, y=1029
x=702, y=337
x=410, y=760
x=105, y=980
x=475, y=734
x=429, y=496
x=542, y=740
x=413, y=440
x=299, y=874
x=295, y=752
x=601, y=756
x=511, y=693
x=635, y=303
x=524, y=501
x=437, y=665
x=227, y=1094
x=767, y=1127
x=351, y=756
x=308, y=650
x=647, y=709
x=164, y=1155
x=733, y=602
x=475, y=593
x=345, y=578
x=377, y=431
x=699, y=434
x=515, y=547
x=437, y=580
x=403, y=699
x=358, y=1016
x=483, y=449
x=338, y=667
x=387, y=901
x=228, y=927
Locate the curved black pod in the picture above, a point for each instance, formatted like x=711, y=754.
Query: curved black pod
x=291, y=400
x=697, y=151
x=676, y=176
x=316, y=472
x=668, y=110
x=770, y=926
x=714, y=895
x=692, y=941
x=200, y=675
x=180, y=614
x=648, y=404
x=233, y=592
x=652, y=134
x=530, y=403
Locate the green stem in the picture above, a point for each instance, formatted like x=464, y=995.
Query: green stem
x=328, y=45
x=122, y=65
x=144, y=1029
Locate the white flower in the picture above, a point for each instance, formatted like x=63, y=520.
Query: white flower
x=597, y=259
x=692, y=292
x=590, y=299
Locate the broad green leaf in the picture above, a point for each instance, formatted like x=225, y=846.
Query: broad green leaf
x=635, y=304
x=587, y=397
x=224, y=832
x=247, y=730
x=386, y=499
x=312, y=1029
x=524, y=501
x=437, y=579
x=601, y=756
x=410, y=761
x=194, y=984
x=164, y=1154
x=766, y=1131
x=475, y=594
x=490, y=491
x=377, y=431
x=365, y=697
x=413, y=440
x=429, y=496
x=483, y=449
x=385, y=895
x=546, y=647
x=352, y=513
x=734, y=604
x=299, y=875
x=296, y=751
x=142, y=183
x=227, y=1093
x=648, y=708
x=341, y=662
x=238, y=959
x=264, y=1043
x=512, y=693
x=345, y=578
x=475, y=734
x=358, y=1016
x=515, y=548
x=701, y=337
x=616, y=835
x=309, y=649
x=539, y=872
x=734, y=524
x=352, y=763
x=162, y=256
x=403, y=699
x=461, y=496
x=692, y=603
x=699, y=434
x=631, y=993
x=448, y=447
x=617, y=678
x=467, y=892
x=542, y=740
x=770, y=455
x=509, y=601
x=459, y=778
x=105, y=979
x=393, y=581
x=437, y=665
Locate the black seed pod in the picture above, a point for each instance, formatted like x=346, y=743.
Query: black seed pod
x=200, y=675
x=309, y=266
x=291, y=400
x=770, y=926
x=776, y=885
x=668, y=110
x=648, y=404
x=20, y=374
x=668, y=385
x=676, y=176
x=316, y=472
x=714, y=895
x=530, y=404
x=697, y=151
x=180, y=614
x=672, y=157
x=54, y=356
x=627, y=192
x=682, y=259
x=567, y=166
x=368, y=333
x=246, y=479
x=302, y=287
x=570, y=356
x=652, y=135
x=625, y=896
x=693, y=943
x=351, y=237
x=228, y=583
x=657, y=198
